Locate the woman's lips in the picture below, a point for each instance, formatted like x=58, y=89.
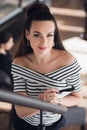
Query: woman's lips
x=42, y=48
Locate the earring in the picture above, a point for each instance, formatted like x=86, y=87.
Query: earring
x=28, y=43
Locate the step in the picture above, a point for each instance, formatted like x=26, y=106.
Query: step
x=70, y=28
x=68, y=12
x=69, y=20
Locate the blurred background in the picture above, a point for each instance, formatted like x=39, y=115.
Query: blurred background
x=71, y=16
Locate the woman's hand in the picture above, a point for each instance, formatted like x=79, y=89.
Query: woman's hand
x=50, y=95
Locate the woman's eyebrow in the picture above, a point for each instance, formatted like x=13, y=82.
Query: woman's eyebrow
x=36, y=32
x=40, y=32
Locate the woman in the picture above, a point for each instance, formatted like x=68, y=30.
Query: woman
x=43, y=69
x=6, y=43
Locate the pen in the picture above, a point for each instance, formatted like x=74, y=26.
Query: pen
x=67, y=89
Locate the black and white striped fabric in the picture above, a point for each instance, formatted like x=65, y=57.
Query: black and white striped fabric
x=33, y=83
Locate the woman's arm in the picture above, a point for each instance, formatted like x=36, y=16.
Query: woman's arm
x=25, y=111
x=51, y=95
x=73, y=99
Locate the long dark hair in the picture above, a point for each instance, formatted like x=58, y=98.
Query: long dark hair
x=38, y=12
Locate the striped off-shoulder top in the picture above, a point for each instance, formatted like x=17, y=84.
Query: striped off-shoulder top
x=66, y=79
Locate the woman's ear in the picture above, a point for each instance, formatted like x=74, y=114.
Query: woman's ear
x=27, y=34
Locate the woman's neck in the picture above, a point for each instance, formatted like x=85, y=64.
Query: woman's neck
x=43, y=59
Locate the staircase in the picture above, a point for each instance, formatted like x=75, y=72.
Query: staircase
x=70, y=16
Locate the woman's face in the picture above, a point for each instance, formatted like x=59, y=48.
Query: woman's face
x=41, y=36
x=8, y=44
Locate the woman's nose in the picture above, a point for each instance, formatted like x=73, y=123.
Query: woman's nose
x=43, y=40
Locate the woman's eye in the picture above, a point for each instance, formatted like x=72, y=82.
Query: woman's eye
x=50, y=35
x=36, y=35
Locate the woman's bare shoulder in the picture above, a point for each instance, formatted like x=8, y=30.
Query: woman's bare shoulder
x=23, y=61
x=18, y=60
x=67, y=57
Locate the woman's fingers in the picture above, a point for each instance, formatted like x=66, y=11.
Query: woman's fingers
x=49, y=95
x=52, y=90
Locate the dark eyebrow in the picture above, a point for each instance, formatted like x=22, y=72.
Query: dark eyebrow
x=36, y=32
x=40, y=33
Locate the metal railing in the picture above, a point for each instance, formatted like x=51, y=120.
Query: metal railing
x=11, y=97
